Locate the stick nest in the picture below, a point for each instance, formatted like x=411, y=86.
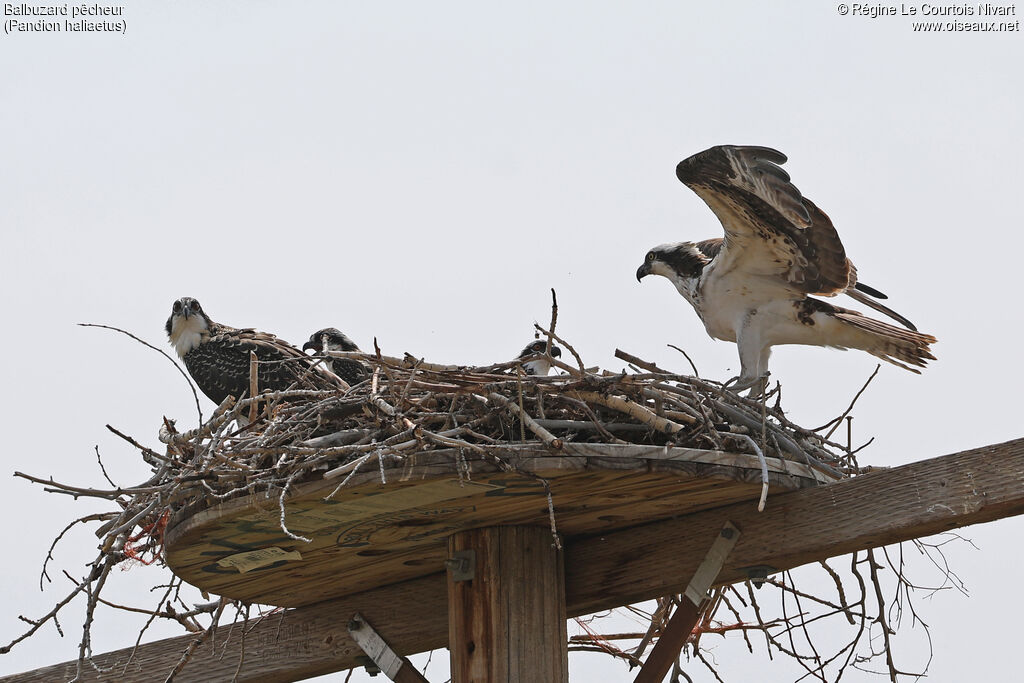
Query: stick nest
x=408, y=406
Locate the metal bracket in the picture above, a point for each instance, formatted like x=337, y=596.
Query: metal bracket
x=758, y=573
x=462, y=565
x=387, y=660
x=371, y=666
x=708, y=570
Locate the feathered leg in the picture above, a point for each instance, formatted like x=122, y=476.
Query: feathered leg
x=753, y=358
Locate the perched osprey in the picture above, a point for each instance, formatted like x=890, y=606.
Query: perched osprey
x=332, y=339
x=753, y=286
x=217, y=356
x=538, y=366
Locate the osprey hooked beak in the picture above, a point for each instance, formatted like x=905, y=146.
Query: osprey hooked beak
x=329, y=339
x=645, y=269
x=184, y=307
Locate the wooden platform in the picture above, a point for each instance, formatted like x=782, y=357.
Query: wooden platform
x=371, y=534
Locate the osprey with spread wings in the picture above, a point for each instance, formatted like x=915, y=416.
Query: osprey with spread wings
x=754, y=286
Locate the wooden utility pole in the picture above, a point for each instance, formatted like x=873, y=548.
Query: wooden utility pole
x=506, y=609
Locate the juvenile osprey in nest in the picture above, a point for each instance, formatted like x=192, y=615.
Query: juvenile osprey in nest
x=538, y=366
x=217, y=356
x=333, y=339
x=753, y=287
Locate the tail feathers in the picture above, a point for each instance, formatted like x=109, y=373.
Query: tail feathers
x=864, y=294
x=904, y=348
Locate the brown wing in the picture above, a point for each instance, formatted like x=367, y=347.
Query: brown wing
x=826, y=239
x=711, y=247
x=771, y=230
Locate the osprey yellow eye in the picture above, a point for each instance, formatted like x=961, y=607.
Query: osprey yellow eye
x=650, y=256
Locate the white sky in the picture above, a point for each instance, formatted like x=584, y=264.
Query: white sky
x=425, y=172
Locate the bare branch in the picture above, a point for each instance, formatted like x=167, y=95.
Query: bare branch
x=188, y=379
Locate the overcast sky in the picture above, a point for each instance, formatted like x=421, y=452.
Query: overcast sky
x=426, y=172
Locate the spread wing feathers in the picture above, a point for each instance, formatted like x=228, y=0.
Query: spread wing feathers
x=870, y=291
x=865, y=294
x=771, y=230
x=857, y=295
x=857, y=291
x=221, y=364
x=900, y=347
x=753, y=171
x=710, y=248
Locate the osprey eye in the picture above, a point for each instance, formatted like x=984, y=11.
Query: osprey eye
x=177, y=307
x=650, y=256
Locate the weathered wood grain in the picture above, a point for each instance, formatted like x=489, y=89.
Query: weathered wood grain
x=507, y=623
x=291, y=645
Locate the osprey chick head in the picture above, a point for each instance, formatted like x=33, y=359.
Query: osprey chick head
x=330, y=338
x=540, y=366
x=680, y=262
x=188, y=326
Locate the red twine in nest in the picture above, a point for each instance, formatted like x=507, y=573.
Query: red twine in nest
x=154, y=533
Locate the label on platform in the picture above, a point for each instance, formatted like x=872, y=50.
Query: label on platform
x=254, y=559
